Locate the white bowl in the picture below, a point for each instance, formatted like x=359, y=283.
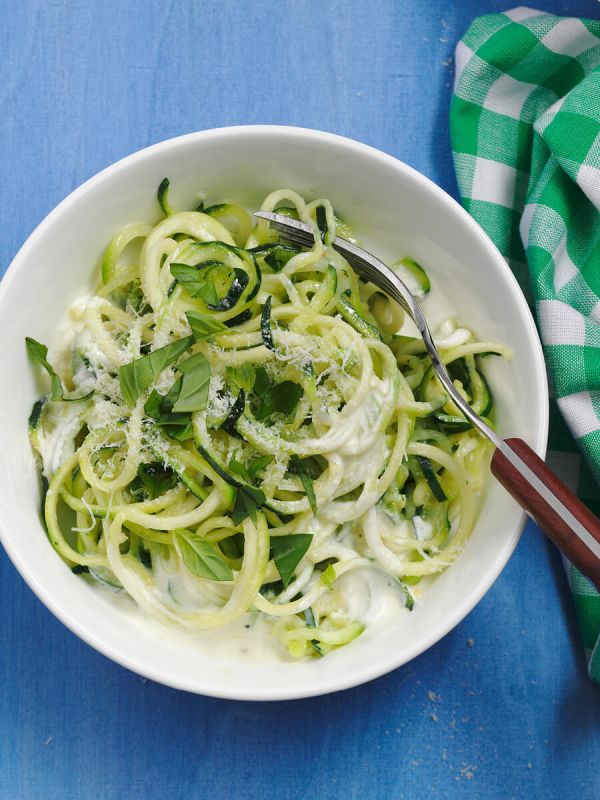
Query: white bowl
x=394, y=211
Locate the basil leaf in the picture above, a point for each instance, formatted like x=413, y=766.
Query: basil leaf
x=262, y=382
x=203, y=326
x=247, y=502
x=288, y=551
x=193, y=394
x=249, y=472
x=242, y=377
x=239, y=469
x=258, y=463
x=197, y=280
x=281, y=397
x=153, y=404
x=310, y=491
x=137, y=376
x=160, y=408
x=156, y=479
x=158, y=404
x=39, y=353
x=285, y=397
x=177, y=426
x=201, y=558
x=298, y=467
x=309, y=618
x=275, y=255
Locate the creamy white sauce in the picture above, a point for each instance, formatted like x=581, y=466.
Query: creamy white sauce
x=372, y=598
x=367, y=594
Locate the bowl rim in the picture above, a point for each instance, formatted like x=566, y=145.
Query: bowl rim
x=538, y=437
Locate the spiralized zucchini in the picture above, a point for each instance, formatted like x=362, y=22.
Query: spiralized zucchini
x=240, y=424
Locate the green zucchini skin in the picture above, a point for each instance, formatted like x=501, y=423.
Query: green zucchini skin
x=162, y=195
x=242, y=317
x=239, y=283
x=414, y=276
x=473, y=381
x=36, y=413
x=265, y=325
x=356, y=320
x=235, y=412
x=226, y=212
x=431, y=478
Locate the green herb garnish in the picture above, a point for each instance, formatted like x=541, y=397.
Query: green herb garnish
x=137, y=376
x=257, y=464
x=247, y=502
x=279, y=397
x=156, y=479
x=197, y=280
x=242, y=377
x=201, y=558
x=193, y=393
x=288, y=551
x=39, y=353
x=299, y=468
x=204, y=326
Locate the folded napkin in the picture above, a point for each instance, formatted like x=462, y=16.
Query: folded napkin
x=525, y=128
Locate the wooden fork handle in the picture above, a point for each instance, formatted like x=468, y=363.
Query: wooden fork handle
x=559, y=513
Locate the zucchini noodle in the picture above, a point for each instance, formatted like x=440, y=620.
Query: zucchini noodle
x=237, y=424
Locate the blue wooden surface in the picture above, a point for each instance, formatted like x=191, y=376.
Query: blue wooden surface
x=510, y=714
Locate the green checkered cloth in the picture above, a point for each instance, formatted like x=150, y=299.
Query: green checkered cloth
x=525, y=127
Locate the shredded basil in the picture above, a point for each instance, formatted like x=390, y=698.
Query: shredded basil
x=243, y=377
x=193, y=393
x=288, y=551
x=239, y=469
x=279, y=397
x=137, y=376
x=196, y=280
x=257, y=464
x=39, y=353
x=275, y=256
x=154, y=480
x=299, y=468
x=204, y=326
x=247, y=502
x=160, y=408
x=201, y=558
x=309, y=618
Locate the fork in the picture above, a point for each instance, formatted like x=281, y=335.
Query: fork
x=544, y=497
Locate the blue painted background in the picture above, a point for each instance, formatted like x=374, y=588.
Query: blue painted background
x=501, y=708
